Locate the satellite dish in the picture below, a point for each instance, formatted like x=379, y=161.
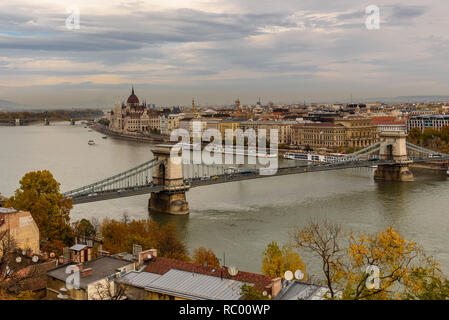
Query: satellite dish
x=288, y=275
x=264, y=293
x=233, y=271
x=35, y=259
x=18, y=259
x=299, y=275
x=52, y=254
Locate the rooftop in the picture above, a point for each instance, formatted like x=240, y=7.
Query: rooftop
x=160, y=265
x=7, y=210
x=297, y=290
x=185, y=284
x=101, y=268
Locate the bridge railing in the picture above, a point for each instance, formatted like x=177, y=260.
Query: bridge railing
x=111, y=182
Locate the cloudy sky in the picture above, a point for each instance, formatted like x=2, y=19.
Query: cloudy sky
x=218, y=50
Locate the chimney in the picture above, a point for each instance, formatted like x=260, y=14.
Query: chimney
x=276, y=285
x=86, y=272
x=80, y=266
x=147, y=254
x=61, y=260
x=153, y=252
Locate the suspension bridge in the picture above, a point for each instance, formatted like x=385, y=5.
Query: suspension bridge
x=167, y=178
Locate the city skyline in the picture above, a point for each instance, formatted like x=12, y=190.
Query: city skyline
x=216, y=51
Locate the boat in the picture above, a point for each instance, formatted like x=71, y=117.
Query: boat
x=313, y=157
x=252, y=152
x=105, y=137
x=91, y=142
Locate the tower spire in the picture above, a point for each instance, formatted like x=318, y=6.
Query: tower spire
x=132, y=89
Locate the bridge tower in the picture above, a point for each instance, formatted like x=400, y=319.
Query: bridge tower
x=172, y=199
x=396, y=151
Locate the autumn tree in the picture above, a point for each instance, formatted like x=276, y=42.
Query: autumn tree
x=398, y=261
x=85, y=228
x=382, y=265
x=425, y=284
x=277, y=261
x=203, y=256
x=248, y=292
x=39, y=193
x=323, y=240
x=120, y=236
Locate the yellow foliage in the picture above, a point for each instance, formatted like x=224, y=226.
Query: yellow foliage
x=276, y=260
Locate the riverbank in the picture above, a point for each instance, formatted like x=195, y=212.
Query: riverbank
x=151, y=139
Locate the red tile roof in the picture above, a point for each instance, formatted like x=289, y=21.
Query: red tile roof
x=160, y=265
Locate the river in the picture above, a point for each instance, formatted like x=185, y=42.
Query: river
x=237, y=220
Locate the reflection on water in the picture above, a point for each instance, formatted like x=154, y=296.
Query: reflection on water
x=238, y=218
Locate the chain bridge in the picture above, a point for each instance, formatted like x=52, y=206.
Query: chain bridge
x=168, y=178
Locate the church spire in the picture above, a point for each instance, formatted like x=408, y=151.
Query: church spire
x=132, y=89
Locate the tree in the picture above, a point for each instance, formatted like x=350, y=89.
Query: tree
x=8, y=246
x=85, y=228
x=39, y=194
x=203, y=256
x=398, y=261
x=415, y=136
x=169, y=245
x=323, y=240
x=378, y=266
x=250, y=293
x=13, y=278
x=424, y=284
x=277, y=261
x=109, y=289
x=119, y=236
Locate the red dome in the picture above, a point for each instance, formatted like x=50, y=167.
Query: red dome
x=133, y=98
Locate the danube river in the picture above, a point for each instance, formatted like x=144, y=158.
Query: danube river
x=236, y=219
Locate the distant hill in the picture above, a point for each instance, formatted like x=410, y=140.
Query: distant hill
x=12, y=106
x=408, y=99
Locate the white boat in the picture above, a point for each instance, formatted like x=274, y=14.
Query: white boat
x=240, y=151
x=313, y=157
x=91, y=142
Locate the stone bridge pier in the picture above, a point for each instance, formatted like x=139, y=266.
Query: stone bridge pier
x=397, y=151
x=172, y=199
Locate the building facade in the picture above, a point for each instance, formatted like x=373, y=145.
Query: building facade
x=133, y=117
x=22, y=228
x=351, y=132
x=434, y=121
